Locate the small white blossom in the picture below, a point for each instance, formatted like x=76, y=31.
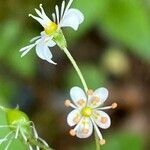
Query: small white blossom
x=87, y=113
x=66, y=17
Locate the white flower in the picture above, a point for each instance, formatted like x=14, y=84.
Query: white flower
x=87, y=112
x=66, y=17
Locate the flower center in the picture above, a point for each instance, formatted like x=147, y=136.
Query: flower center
x=86, y=111
x=50, y=28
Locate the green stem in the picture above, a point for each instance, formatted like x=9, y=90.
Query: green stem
x=37, y=143
x=97, y=142
x=76, y=68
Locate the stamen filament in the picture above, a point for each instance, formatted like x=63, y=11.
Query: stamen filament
x=62, y=8
x=69, y=104
x=57, y=13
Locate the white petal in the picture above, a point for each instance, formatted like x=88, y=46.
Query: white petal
x=26, y=49
x=77, y=95
x=38, y=12
x=85, y=128
x=102, y=119
x=72, y=18
x=62, y=8
x=34, y=39
x=44, y=53
x=99, y=97
x=44, y=16
x=73, y=117
x=37, y=19
x=51, y=43
x=57, y=13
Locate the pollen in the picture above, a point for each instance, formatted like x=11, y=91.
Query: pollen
x=114, y=105
x=67, y=103
x=87, y=111
x=102, y=142
x=50, y=28
x=72, y=132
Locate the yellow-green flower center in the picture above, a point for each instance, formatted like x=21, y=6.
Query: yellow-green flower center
x=86, y=111
x=50, y=28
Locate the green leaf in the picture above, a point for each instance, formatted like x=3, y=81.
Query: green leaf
x=127, y=22
x=13, y=39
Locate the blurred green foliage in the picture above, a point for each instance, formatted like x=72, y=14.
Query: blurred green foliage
x=124, y=22
x=123, y=140
x=12, y=40
x=93, y=75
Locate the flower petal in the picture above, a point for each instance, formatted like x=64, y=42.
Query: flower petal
x=51, y=43
x=99, y=97
x=34, y=39
x=72, y=18
x=73, y=117
x=78, y=96
x=43, y=52
x=41, y=21
x=26, y=49
x=102, y=119
x=85, y=128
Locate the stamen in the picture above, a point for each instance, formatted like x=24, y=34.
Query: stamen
x=69, y=104
x=68, y=6
x=114, y=105
x=37, y=19
x=54, y=17
x=97, y=130
x=57, y=13
x=90, y=92
x=72, y=132
x=62, y=8
x=38, y=12
x=102, y=141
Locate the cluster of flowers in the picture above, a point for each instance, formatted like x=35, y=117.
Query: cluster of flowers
x=88, y=113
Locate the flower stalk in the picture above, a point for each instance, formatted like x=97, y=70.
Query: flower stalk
x=76, y=68
x=97, y=142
